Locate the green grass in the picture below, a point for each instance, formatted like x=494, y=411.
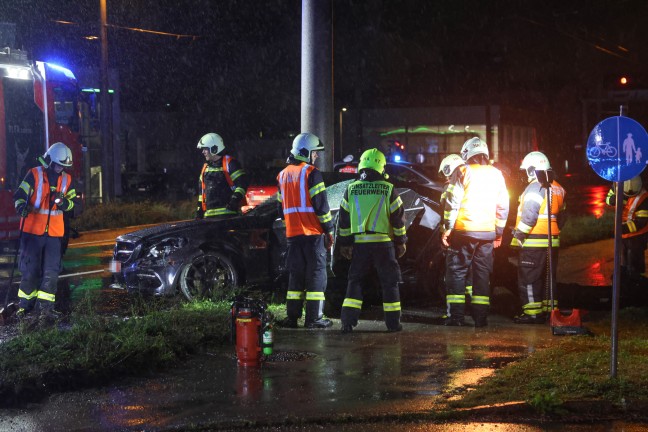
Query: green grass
x=97, y=349
x=120, y=214
x=577, y=368
x=587, y=229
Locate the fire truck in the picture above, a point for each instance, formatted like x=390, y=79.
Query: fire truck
x=38, y=107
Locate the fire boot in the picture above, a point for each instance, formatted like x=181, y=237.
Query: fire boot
x=319, y=323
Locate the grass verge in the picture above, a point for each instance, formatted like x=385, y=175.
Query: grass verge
x=118, y=214
x=96, y=349
x=578, y=368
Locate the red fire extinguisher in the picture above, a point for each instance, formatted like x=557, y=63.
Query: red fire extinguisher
x=248, y=316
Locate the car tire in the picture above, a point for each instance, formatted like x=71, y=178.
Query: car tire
x=210, y=276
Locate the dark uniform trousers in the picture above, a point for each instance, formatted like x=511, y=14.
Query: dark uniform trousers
x=634, y=259
x=366, y=258
x=464, y=254
x=532, y=279
x=307, y=266
x=40, y=265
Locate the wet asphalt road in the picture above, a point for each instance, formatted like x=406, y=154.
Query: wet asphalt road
x=367, y=373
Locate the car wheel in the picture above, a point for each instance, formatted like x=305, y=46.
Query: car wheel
x=209, y=276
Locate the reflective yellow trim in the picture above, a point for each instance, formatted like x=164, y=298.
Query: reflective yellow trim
x=392, y=307
x=325, y=217
x=320, y=187
x=315, y=295
x=237, y=174
x=480, y=300
x=218, y=212
x=295, y=295
x=352, y=303
x=399, y=231
x=21, y=294
x=371, y=238
x=42, y=295
x=456, y=298
x=396, y=204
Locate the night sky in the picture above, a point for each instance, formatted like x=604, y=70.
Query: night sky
x=241, y=70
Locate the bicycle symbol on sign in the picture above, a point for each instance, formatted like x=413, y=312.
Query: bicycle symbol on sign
x=602, y=149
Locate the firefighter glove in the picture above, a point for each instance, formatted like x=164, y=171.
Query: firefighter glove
x=200, y=213
x=233, y=205
x=60, y=200
x=23, y=210
x=400, y=250
x=347, y=251
x=328, y=240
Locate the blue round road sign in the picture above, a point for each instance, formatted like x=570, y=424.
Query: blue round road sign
x=617, y=148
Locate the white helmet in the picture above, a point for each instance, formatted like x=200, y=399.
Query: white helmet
x=303, y=145
x=535, y=161
x=472, y=147
x=449, y=164
x=213, y=142
x=58, y=153
x=632, y=187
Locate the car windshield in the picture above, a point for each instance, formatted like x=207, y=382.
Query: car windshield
x=405, y=174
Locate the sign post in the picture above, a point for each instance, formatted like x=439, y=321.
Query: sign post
x=617, y=151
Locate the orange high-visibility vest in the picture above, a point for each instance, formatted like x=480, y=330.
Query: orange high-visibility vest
x=557, y=204
x=42, y=219
x=630, y=211
x=225, y=160
x=298, y=209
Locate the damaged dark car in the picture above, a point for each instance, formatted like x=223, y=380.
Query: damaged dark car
x=206, y=258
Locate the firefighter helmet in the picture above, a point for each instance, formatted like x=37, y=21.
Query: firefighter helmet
x=473, y=147
x=373, y=159
x=213, y=142
x=632, y=187
x=58, y=153
x=304, y=144
x=534, y=161
x=449, y=164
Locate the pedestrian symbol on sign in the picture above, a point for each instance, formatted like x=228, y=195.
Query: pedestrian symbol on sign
x=615, y=148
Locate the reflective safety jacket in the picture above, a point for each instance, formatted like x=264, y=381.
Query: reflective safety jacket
x=222, y=183
x=302, y=195
x=635, y=213
x=371, y=212
x=476, y=202
x=532, y=219
x=37, y=189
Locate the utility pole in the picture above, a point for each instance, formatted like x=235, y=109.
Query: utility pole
x=107, y=162
x=317, y=76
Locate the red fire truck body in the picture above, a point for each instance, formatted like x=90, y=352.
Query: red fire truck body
x=38, y=107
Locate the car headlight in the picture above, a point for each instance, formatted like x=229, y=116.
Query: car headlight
x=166, y=247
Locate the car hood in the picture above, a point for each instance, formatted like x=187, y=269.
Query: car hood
x=196, y=228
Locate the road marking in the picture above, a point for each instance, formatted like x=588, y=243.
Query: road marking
x=68, y=275
x=95, y=242
x=81, y=273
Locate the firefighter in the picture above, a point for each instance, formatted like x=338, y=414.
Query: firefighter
x=531, y=237
x=44, y=194
x=446, y=168
x=309, y=232
x=222, y=182
x=475, y=212
x=372, y=236
x=634, y=228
